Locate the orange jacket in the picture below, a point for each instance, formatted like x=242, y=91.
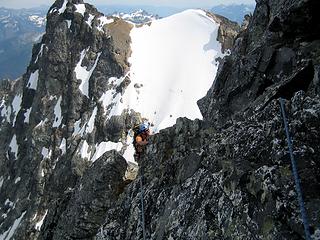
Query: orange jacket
x=141, y=141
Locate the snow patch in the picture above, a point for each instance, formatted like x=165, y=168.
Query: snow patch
x=77, y=130
x=7, y=235
x=41, y=123
x=33, y=80
x=90, y=125
x=16, y=105
x=174, y=62
x=39, y=224
x=80, y=8
x=5, y=111
x=8, y=202
x=103, y=21
x=40, y=53
x=68, y=23
x=63, y=7
x=110, y=98
x=84, y=75
x=27, y=115
x=46, y=153
x=1, y=182
x=129, y=153
x=90, y=19
x=14, y=148
x=57, y=113
x=84, y=151
x=105, y=147
x=63, y=146
x=17, y=180
x=106, y=99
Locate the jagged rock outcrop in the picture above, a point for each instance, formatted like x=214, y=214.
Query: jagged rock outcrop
x=226, y=177
x=53, y=119
x=55, y=126
x=201, y=182
x=92, y=197
x=276, y=56
x=229, y=176
x=227, y=31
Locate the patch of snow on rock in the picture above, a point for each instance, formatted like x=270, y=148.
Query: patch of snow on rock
x=14, y=148
x=80, y=8
x=27, y=115
x=103, y=21
x=84, y=151
x=91, y=121
x=83, y=74
x=39, y=224
x=10, y=232
x=33, y=80
x=105, y=147
x=90, y=19
x=57, y=113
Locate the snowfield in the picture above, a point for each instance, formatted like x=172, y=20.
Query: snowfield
x=174, y=62
x=173, y=65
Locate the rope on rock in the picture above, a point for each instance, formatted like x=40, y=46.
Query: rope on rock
x=295, y=174
x=142, y=205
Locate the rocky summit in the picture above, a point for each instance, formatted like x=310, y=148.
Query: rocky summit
x=63, y=167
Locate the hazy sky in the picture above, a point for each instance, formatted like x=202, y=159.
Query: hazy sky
x=171, y=3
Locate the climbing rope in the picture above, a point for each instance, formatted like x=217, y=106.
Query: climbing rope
x=142, y=206
x=295, y=174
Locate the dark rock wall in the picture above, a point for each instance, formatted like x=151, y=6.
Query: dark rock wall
x=275, y=56
x=229, y=176
x=226, y=177
x=39, y=179
x=232, y=183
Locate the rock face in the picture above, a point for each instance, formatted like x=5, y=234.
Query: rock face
x=52, y=120
x=232, y=183
x=92, y=197
x=229, y=176
x=225, y=177
x=55, y=168
x=276, y=57
x=227, y=31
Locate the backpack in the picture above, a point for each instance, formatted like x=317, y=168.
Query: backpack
x=134, y=132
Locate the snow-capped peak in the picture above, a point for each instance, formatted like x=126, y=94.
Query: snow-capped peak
x=139, y=16
x=39, y=21
x=174, y=62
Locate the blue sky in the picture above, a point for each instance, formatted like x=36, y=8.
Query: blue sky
x=169, y=3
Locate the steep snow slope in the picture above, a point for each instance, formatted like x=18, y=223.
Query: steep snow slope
x=173, y=64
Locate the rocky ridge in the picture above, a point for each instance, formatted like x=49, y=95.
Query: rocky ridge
x=53, y=122
x=229, y=176
x=226, y=177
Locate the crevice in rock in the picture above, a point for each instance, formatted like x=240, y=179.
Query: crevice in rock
x=299, y=82
x=275, y=25
x=266, y=83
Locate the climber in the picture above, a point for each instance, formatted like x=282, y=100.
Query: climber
x=140, y=138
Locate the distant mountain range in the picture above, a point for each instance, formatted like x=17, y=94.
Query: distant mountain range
x=234, y=12
x=20, y=29
x=139, y=16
